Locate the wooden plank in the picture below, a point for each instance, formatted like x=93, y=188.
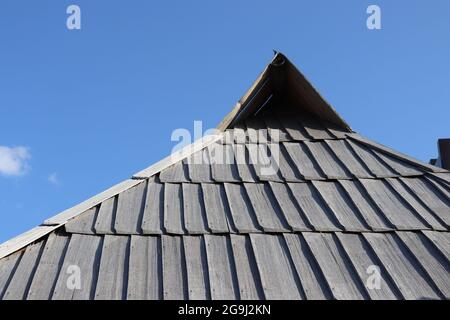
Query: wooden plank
x=403, y=168
x=245, y=170
x=376, y=167
x=407, y=275
x=346, y=155
x=303, y=161
x=265, y=207
x=250, y=287
x=176, y=173
x=174, y=272
x=130, y=208
x=423, y=212
x=363, y=260
x=278, y=276
x=106, y=216
x=223, y=163
x=239, y=133
x=437, y=203
x=394, y=153
x=84, y=223
x=275, y=129
x=265, y=166
x=222, y=271
x=145, y=269
x=441, y=241
x=153, y=218
x=311, y=278
x=113, y=274
x=243, y=216
x=337, y=270
x=83, y=254
x=328, y=163
x=392, y=206
x=313, y=207
x=199, y=167
x=315, y=129
x=343, y=209
x=440, y=186
x=215, y=207
x=293, y=128
x=336, y=130
x=70, y=213
x=257, y=130
x=24, y=239
x=435, y=265
x=49, y=267
x=8, y=266
x=291, y=210
x=372, y=215
x=23, y=275
x=196, y=268
x=193, y=208
x=286, y=167
x=173, y=209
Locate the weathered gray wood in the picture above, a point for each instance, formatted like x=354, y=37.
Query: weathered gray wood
x=265, y=166
x=304, y=162
x=239, y=133
x=49, y=267
x=215, y=207
x=257, y=131
x=337, y=270
x=240, y=207
x=113, y=274
x=293, y=128
x=372, y=215
x=245, y=170
x=145, y=268
x=23, y=275
x=177, y=172
x=7, y=267
x=415, y=204
x=344, y=153
x=375, y=166
x=196, y=268
x=153, y=218
x=106, y=216
x=435, y=265
x=292, y=212
x=222, y=272
x=275, y=130
x=392, y=206
x=328, y=163
x=265, y=207
x=173, y=209
x=84, y=223
x=130, y=208
x=313, y=207
x=363, y=260
x=441, y=241
x=440, y=186
x=311, y=278
x=315, y=129
x=407, y=276
x=287, y=168
x=223, y=163
x=83, y=253
x=344, y=210
x=438, y=203
x=199, y=167
x=334, y=129
x=194, y=211
x=278, y=276
x=403, y=168
x=174, y=272
x=247, y=272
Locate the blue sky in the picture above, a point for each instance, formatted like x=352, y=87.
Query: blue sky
x=81, y=110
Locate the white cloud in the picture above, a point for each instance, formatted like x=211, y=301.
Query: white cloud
x=14, y=160
x=53, y=178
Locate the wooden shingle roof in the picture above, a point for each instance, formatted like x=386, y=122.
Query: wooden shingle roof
x=284, y=202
